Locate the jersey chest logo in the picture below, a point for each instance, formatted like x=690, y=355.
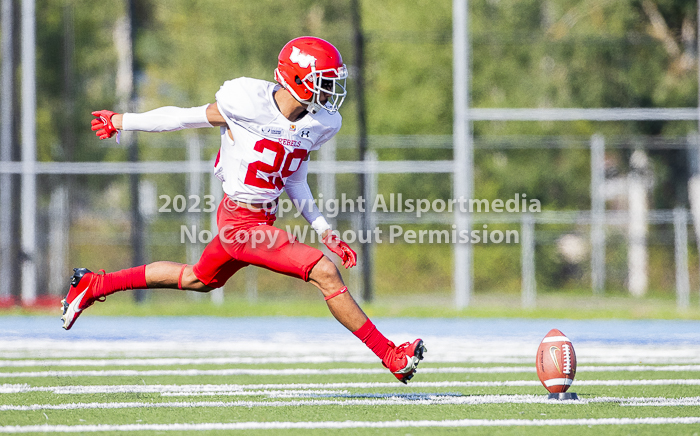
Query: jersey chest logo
x=272, y=131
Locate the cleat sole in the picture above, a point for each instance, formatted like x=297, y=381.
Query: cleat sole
x=418, y=353
x=64, y=306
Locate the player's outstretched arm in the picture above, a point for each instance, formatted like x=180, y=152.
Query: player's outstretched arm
x=164, y=119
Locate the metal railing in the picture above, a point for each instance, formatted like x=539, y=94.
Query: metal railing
x=597, y=219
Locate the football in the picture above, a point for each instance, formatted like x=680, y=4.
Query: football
x=556, y=362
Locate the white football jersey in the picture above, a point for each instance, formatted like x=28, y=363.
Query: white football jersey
x=266, y=147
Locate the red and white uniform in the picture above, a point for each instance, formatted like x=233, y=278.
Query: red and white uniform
x=262, y=154
x=266, y=148
x=267, y=151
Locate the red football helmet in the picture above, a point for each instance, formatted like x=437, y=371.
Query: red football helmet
x=309, y=66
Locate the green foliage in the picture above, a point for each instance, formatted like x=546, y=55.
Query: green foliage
x=557, y=53
x=409, y=66
x=192, y=47
x=544, y=54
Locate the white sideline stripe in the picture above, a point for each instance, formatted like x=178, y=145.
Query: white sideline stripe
x=689, y=401
x=190, y=372
x=179, y=361
x=333, y=371
x=295, y=349
x=603, y=357
x=224, y=389
x=243, y=361
x=398, y=400
x=279, y=393
x=345, y=424
x=239, y=361
x=447, y=384
x=555, y=339
x=637, y=368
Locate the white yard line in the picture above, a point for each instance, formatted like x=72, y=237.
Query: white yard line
x=388, y=400
x=332, y=371
x=191, y=372
x=195, y=390
x=346, y=424
x=171, y=361
x=257, y=361
x=300, y=350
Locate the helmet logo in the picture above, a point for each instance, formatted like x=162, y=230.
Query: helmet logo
x=304, y=60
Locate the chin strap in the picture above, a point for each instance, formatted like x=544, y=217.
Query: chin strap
x=312, y=106
x=335, y=294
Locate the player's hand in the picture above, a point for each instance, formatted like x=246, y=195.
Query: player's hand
x=342, y=249
x=102, y=124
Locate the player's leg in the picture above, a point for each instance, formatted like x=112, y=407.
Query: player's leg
x=274, y=249
x=173, y=275
x=402, y=361
x=214, y=268
x=326, y=277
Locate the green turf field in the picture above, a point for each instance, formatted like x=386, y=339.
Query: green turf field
x=119, y=394
x=272, y=375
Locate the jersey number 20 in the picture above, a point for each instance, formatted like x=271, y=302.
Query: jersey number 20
x=283, y=161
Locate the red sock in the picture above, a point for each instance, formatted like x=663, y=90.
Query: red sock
x=132, y=278
x=374, y=340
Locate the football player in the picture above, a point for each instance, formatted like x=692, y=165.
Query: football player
x=267, y=131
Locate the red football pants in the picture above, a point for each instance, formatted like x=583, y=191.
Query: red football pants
x=248, y=237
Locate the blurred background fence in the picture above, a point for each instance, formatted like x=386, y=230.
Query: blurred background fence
x=575, y=250
x=590, y=108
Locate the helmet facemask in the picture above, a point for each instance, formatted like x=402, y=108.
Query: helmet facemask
x=331, y=83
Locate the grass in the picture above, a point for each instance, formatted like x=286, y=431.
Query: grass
x=550, y=305
x=54, y=391
x=341, y=412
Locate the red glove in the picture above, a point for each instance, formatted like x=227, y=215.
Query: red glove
x=342, y=249
x=102, y=125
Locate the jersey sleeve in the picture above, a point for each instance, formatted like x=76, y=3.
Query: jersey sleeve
x=325, y=138
x=298, y=190
x=332, y=127
x=239, y=99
